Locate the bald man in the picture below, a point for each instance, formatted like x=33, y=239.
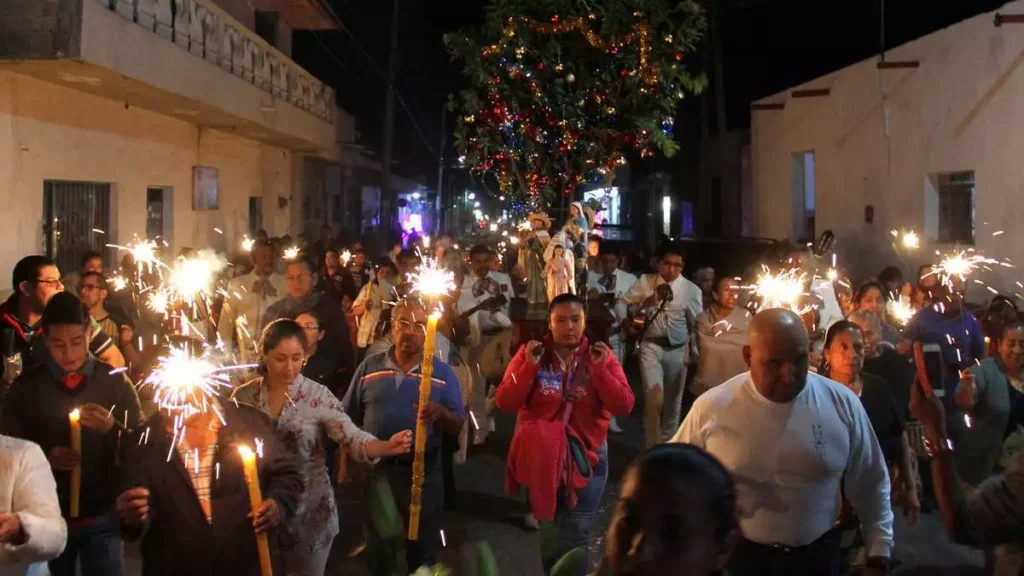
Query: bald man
x=790, y=438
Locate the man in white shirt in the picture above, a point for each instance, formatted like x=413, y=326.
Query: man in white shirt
x=789, y=438
x=490, y=330
x=609, y=279
x=249, y=296
x=670, y=304
x=32, y=530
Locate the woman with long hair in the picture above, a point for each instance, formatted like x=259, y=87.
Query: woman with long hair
x=844, y=362
x=304, y=414
x=872, y=296
x=676, y=514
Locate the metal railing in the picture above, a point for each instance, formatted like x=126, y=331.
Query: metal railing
x=207, y=31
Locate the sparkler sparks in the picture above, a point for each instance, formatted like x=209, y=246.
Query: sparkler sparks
x=432, y=280
x=118, y=283
x=960, y=265
x=247, y=244
x=345, y=257
x=158, y=301
x=901, y=311
x=909, y=239
x=783, y=290
x=145, y=253
x=193, y=278
x=291, y=253
x=184, y=384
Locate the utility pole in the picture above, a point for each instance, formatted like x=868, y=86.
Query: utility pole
x=439, y=202
x=388, y=198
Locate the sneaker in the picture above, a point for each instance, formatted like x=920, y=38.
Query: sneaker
x=613, y=426
x=530, y=522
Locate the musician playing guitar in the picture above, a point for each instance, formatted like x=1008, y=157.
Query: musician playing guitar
x=490, y=329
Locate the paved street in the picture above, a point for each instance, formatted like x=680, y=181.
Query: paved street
x=485, y=513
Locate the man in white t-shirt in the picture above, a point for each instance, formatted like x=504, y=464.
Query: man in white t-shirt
x=791, y=439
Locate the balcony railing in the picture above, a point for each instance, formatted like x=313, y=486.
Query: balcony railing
x=205, y=30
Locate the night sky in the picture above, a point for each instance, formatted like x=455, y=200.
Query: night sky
x=768, y=46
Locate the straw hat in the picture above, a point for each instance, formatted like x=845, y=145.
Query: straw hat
x=543, y=217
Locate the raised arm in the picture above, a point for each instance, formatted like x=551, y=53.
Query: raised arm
x=516, y=384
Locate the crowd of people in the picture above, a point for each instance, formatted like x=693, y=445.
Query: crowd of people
x=777, y=441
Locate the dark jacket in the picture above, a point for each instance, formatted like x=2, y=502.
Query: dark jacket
x=332, y=317
x=178, y=539
x=37, y=408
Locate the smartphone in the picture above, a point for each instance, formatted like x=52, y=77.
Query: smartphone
x=930, y=369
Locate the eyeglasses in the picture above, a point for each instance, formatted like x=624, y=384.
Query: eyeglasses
x=311, y=327
x=406, y=325
x=50, y=282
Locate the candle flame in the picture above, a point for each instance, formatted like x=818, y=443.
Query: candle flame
x=245, y=452
x=75, y=415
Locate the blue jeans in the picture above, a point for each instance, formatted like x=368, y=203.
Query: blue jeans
x=97, y=546
x=574, y=525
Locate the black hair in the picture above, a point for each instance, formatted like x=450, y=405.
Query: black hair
x=64, y=309
x=686, y=463
x=1015, y=325
x=310, y=312
x=890, y=274
x=275, y=333
x=304, y=259
x=862, y=290
x=834, y=330
x=717, y=285
x=263, y=243
x=385, y=262
x=27, y=269
x=479, y=249
x=89, y=255
x=671, y=248
x=98, y=276
x=407, y=254
x=567, y=298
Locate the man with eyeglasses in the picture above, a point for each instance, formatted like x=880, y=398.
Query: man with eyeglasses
x=384, y=395
x=35, y=280
x=670, y=305
x=92, y=288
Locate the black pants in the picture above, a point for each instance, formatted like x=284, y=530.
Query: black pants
x=819, y=558
x=422, y=552
x=449, y=446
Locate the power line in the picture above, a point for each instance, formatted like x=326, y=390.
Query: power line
x=381, y=73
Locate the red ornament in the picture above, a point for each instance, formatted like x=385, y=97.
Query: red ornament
x=540, y=66
x=679, y=56
x=623, y=72
x=555, y=18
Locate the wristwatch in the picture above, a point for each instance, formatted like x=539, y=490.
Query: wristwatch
x=880, y=563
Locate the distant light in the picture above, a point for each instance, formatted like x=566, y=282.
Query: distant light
x=502, y=198
x=666, y=213
x=472, y=196
x=494, y=227
x=476, y=204
x=415, y=195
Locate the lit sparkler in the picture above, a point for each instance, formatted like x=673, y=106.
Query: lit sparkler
x=909, y=239
x=247, y=244
x=145, y=253
x=960, y=265
x=291, y=253
x=900, y=311
x=345, y=257
x=193, y=279
x=432, y=280
x=158, y=301
x=118, y=283
x=783, y=290
x=184, y=384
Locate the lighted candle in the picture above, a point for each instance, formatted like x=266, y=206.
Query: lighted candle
x=76, y=473
x=252, y=481
x=426, y=375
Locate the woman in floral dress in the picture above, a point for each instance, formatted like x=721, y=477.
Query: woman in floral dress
x=305, y=414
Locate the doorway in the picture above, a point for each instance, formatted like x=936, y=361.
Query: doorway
x=76, y=220
x=802, y=195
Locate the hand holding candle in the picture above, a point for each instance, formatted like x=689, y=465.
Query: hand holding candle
x=74, y=418
x=262, y=512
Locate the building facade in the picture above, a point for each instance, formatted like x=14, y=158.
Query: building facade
x=180, y=119
x=924, y=141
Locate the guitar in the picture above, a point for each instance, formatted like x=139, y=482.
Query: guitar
x=491, y=304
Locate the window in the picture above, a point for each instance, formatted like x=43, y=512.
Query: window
x=205, y=188
x=266, y=26
x=255, y=215
x=154, y=213
x=956, y=208
x=77, y=219
x=802, y=196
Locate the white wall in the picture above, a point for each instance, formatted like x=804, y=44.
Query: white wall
x=50, y=132
x=963, y=109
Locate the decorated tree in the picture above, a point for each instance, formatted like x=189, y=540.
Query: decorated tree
x=561, y=90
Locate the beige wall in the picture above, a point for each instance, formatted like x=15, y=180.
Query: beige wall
x=961, y=110
x=49, y=132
